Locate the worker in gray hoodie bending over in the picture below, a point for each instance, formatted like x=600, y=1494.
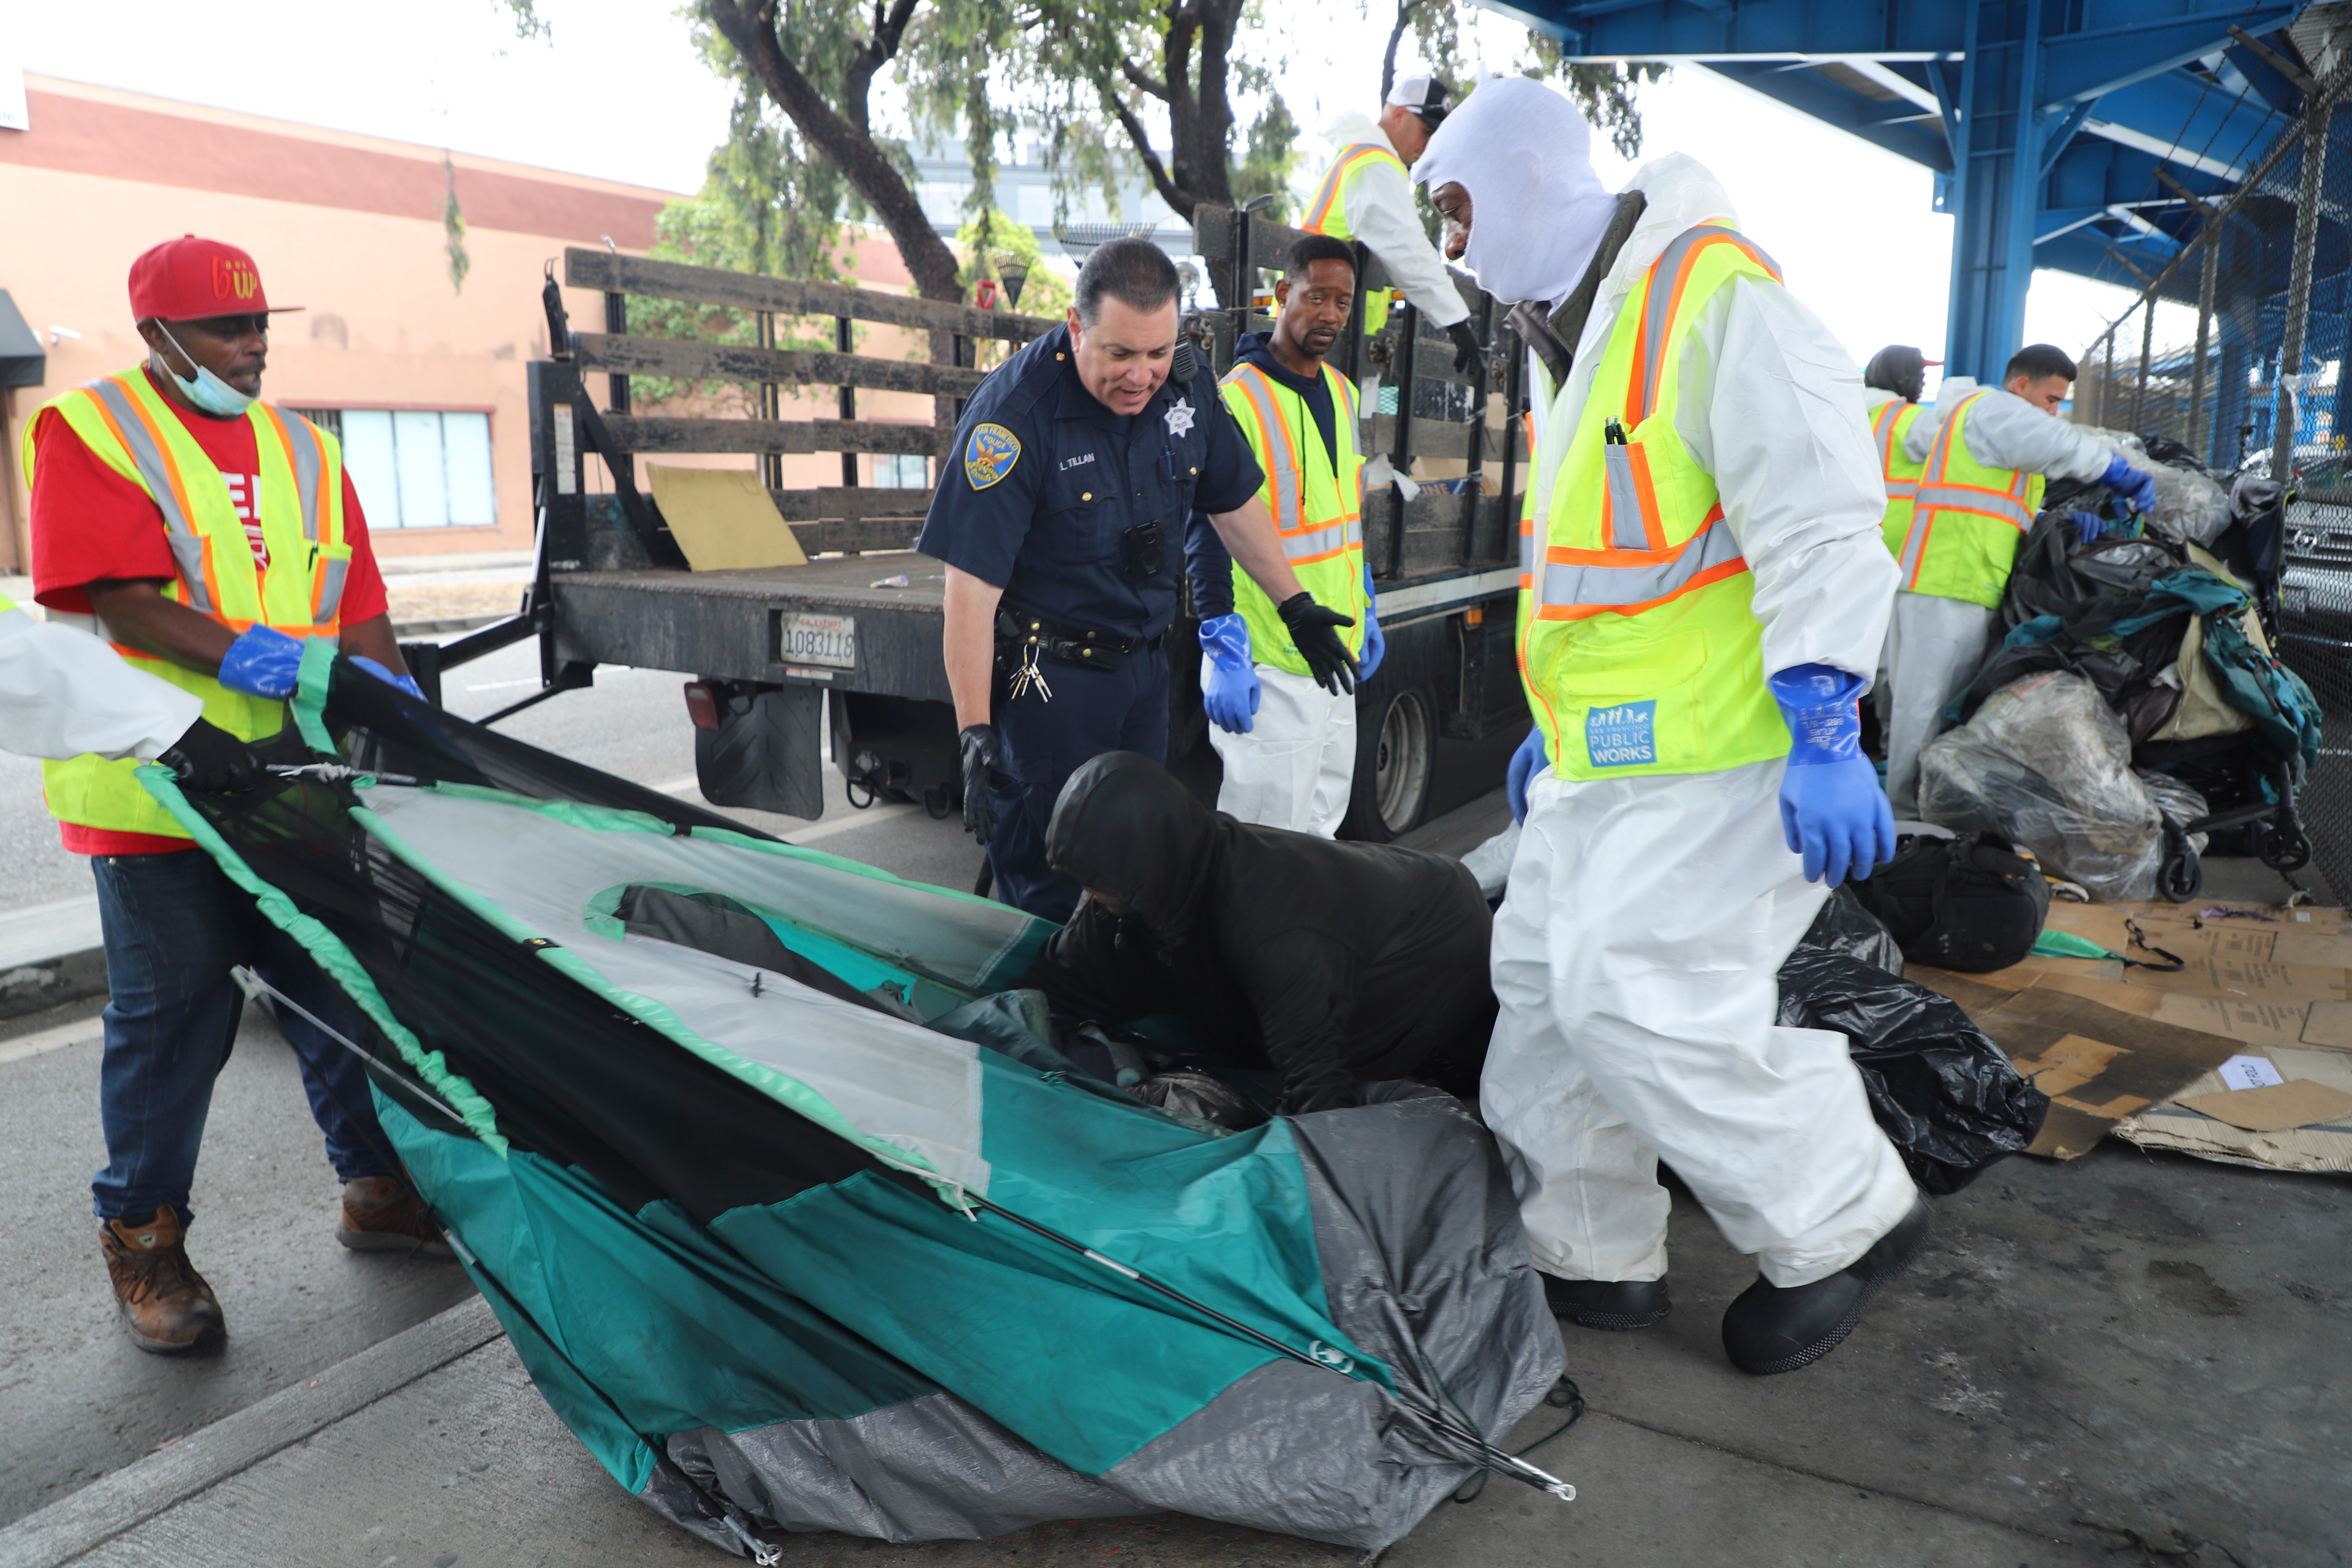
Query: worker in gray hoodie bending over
x=1985, y=454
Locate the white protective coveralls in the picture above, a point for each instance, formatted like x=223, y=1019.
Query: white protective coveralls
x=64, y=692
x=1935, y=646
x=1636, y=951
x=1295, y=764
x=1381, y=213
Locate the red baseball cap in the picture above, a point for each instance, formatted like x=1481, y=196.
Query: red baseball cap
x=188, y=278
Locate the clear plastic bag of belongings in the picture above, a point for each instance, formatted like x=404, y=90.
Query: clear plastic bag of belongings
x=2045, y=763
x=2180, y=805
x=1973, y=904
x=1845, y=926
x=1490, y=862
x=1941, y=1091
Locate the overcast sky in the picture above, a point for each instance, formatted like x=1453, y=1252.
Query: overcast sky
x=618, y=93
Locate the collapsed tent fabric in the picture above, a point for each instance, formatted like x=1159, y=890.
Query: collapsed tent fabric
x=784, y=1204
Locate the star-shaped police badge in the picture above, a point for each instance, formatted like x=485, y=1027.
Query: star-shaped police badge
x=1180, y=417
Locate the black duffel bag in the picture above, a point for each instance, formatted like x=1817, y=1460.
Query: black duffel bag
x=1972, y=904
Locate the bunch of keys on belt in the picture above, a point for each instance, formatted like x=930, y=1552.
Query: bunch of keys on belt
x=1028, y=675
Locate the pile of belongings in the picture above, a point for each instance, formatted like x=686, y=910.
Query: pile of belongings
x=1942, y=1091
x=799, y=1218
x=2121, y=660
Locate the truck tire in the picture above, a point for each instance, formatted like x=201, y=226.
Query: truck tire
x=1396, y=764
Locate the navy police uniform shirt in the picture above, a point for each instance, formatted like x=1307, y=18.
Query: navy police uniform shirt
x=1044, y=481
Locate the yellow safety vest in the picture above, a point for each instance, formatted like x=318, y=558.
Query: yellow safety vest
x=1318, y=509
x=1888, y=427
x=126, y=422
x=1638, y=645
x=1327, y=212
x=1967, y=520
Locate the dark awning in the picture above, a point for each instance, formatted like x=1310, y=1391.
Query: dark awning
x=22, y=361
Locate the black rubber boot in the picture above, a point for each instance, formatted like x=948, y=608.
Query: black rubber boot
x=1607, y=1303
x=1769, y=1329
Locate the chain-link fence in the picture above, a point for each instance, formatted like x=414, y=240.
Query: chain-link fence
x=2236, y=351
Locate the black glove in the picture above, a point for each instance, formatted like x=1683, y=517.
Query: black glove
x=1467, y=350
x=1313, y=632
x=979, y=744
x=209, y=758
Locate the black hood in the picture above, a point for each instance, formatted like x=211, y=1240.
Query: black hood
x=1124, y=826
x=1899, y=369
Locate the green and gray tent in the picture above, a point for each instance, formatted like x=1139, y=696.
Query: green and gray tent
x=796, y=1213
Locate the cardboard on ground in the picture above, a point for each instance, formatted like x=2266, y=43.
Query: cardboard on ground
x=2321, y=1146
x=723, y=519
x=2276, y=1108
x=2097, y=1064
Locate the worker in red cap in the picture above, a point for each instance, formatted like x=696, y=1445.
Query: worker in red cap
x=210, y=537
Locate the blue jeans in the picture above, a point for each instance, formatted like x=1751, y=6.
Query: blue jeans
x=174, y=927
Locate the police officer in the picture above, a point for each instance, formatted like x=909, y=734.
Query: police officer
x=1075, y=467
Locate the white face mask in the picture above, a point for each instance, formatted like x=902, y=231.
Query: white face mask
x=207, y=390
x=1522, y=155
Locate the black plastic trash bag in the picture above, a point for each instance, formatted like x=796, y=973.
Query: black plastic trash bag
x=1845, y=926
x=1941, y=1091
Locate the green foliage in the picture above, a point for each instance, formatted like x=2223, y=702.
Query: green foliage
x=1270, y=159
x=453, y=229
x=766, y=207
x=994, y=237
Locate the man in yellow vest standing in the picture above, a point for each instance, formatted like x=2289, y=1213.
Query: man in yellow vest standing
x=1702, y=599
x=208, y=536
x=1988, y=451
x=1365, y=196
x=1288, y=742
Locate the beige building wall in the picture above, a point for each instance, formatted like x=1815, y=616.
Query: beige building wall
x=350, y=228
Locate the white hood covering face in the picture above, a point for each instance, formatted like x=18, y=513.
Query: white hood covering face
x=1525, y=155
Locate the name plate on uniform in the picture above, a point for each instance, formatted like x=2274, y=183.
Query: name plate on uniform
x=827, y=640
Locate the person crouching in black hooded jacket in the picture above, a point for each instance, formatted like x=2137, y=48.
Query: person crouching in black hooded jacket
x=1338, y=965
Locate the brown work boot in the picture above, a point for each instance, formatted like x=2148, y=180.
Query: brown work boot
x=384, y=1214
x=165, y=1304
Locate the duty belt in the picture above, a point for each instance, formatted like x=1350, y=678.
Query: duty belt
x=1026, y=638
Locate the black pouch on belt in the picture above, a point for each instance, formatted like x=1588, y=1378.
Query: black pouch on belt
x=1144, y=548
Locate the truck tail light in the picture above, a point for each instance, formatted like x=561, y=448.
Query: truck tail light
x=701, y=705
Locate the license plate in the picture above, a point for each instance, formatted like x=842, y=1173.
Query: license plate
x=828, y=640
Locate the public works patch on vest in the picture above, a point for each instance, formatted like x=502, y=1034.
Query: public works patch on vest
x=1621, y=736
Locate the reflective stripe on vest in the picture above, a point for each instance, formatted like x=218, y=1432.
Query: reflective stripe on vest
x=1327, y=212
x=125, y=423
x=1317, y=503
x=1888, y=428
x=1638, y=643
x=1945, y=497
x=1302, y=542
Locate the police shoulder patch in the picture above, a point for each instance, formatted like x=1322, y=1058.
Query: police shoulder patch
x=990, y=454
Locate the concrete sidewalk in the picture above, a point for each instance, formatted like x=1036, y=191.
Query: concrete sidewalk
x=2122, y=1349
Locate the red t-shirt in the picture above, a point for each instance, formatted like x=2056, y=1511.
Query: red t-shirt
x=89, y=524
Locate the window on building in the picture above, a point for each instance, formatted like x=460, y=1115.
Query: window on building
x=417, y=468
x=911, y=473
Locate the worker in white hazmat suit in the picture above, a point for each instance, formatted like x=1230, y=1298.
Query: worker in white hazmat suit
x=1702, y=599
x=63, y=693
x=1983, y=454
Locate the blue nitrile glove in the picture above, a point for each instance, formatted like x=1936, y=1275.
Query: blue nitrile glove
x=1832, y=809
x=405, y=682
x=1526, y=763
x=1231, y=692
x=2136, y=487
x=1376, y=647
x=262, y=662
x=2088, y=526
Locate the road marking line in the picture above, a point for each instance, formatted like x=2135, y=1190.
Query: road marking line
x=80, y=1032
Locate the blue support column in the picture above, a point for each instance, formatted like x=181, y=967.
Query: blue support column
x=1999, y=162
